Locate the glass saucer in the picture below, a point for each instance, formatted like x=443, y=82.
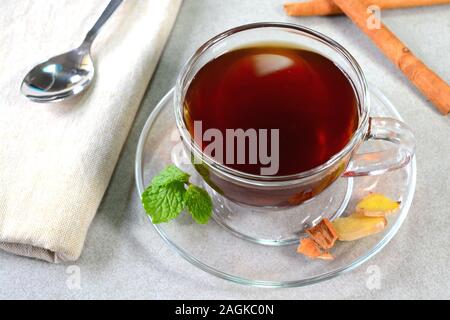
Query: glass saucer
x=259, y=248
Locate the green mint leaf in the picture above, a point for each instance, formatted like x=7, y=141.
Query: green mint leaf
x=166, y=197
x=198, y=203
x=164, y=202
x=170, y=174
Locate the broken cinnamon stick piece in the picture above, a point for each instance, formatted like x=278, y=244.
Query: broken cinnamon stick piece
x=428, y=82
x=309, y=248
x=326, y=256
x=328, y=7
x=323, y=234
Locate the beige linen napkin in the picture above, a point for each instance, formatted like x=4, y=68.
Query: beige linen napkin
x=56, y=159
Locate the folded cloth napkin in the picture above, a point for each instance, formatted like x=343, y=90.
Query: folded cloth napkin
x=56, y=159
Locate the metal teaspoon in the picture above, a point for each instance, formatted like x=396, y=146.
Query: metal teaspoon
x=67, y=74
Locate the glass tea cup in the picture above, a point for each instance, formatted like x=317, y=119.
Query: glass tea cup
x=279, y=192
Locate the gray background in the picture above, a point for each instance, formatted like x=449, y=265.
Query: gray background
x=125, y=258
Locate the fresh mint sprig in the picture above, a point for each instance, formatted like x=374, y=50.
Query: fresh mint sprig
x=166, y=197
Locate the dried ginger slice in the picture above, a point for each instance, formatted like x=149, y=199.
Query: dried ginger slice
x=377, y=205
x=324, y=234
x=356, y=227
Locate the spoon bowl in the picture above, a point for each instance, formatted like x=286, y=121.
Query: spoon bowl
x=59, y=77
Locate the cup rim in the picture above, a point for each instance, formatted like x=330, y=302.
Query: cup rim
x=243, y=177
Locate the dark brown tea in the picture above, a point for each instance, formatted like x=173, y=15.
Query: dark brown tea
x=301, y=93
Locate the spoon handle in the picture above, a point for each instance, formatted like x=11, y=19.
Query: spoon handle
x=109, y=10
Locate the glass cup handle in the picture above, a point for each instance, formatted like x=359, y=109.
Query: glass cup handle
x=379, y=162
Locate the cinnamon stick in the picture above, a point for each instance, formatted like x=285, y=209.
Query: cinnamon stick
x=428, y=82
x=323, y=234
x=328, y=7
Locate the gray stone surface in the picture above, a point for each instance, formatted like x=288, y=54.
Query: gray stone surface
x=125, y=258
